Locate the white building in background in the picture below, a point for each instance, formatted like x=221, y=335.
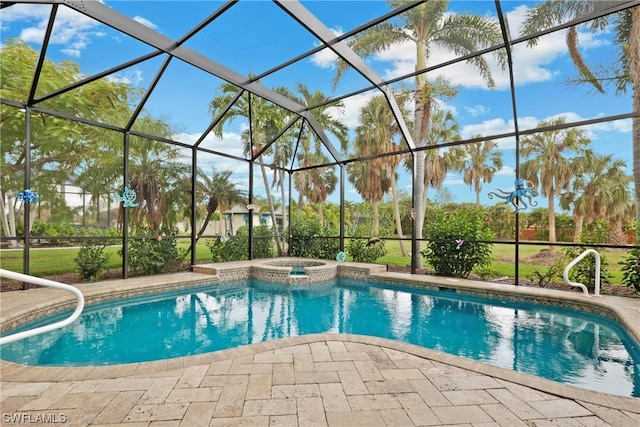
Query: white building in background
x=238, y=216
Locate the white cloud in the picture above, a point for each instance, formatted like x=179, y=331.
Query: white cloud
x=451, y=179
x=477, y=110
x=25, y=12
x=132, y=77
x=230, y=143
x=71, y=29
x=352, y=107
x=71, y=52
x=326, y=58
x=491, y=127
x=498, y=125
x=145, y=22
x=530, y=64
x=507, y=170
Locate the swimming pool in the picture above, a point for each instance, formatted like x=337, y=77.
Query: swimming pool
x=559, y=344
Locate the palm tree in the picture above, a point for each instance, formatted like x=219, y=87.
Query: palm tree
x=478, y=163
x=155, y=172
x=219, y=192
x=320, y=181
x=623, y=73
x=371, y=180
x=428, y=25
x=444, y=128
x=266, y=120
x=375, y=135
x=548, y=167
x=598, y=191
x=309, y=142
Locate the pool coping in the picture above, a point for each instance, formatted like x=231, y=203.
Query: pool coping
x=18, y=304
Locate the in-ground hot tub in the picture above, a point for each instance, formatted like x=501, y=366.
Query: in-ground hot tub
x=285, y=271
x=294, y=271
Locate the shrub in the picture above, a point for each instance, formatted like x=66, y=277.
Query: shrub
x=543, y=277
x=149, y=256
x=631, y=270
x=585, y=271
x=236, y=248
x=485, y=271
x=307, y=239
x=446, y=231
x=91, y=259
x=366, y=251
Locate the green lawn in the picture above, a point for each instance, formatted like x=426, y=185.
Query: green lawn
x=52, y=261
x=503, y=259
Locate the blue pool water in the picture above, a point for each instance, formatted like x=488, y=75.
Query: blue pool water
x=558, y=344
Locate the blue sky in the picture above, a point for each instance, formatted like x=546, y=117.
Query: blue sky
x=254, y=36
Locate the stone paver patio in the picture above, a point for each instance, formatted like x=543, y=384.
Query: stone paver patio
x=315, y=380
x=311, y=380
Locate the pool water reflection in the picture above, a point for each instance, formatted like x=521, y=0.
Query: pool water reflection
x=558, y=344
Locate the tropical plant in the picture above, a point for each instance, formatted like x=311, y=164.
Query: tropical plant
x=217, y=191
x=543, y=276
x=320, y=181
x=427, y=26
x=266, y=120
x=306, y=180
x=311, y=239
x=91, y=259
x=369, y=251
x=236, y=247
x=457, y=243
x=478, y=163
x=585, y=271
x=373, y=178
x=598, y=191
x=57, y=146
x=548, y=165
x=156, y=173
x=153, y=255
x=631, y=270
x=624, y=72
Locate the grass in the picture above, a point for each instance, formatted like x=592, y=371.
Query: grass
x=51, y=261
x=503, y=256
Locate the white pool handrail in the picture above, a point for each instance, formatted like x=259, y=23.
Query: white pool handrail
x=574, y=262
x=42, y=282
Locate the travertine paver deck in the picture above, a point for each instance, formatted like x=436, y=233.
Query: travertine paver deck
x=317, y=380
x=313, y=380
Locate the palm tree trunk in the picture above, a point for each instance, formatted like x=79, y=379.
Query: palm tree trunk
x=396, y=213
x=552, y=221
x=477, y=198
x=421, y=120
x=376, y=219
x=634, y=71
x=579, y=220
x=272, y=210
x=617, y=235
x=8, y=230
x=202, y=229
x=284, y=205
